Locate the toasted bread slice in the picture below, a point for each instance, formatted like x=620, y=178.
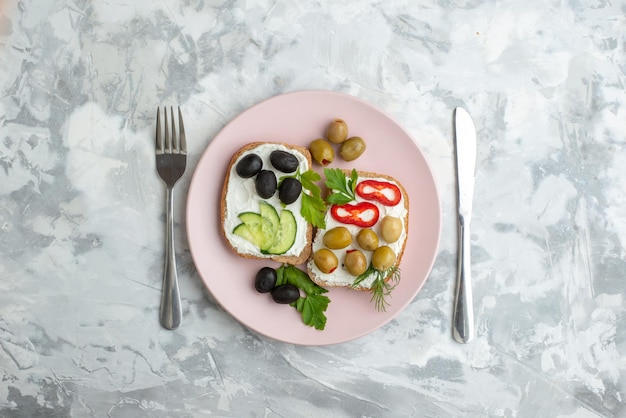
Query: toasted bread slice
x=340, y=277
x=261, y=232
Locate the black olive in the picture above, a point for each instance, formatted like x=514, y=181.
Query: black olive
x=249, y=166
x=265, y=184
x=265, y=280
x=284, y=161
x=289, y=190
x=285, y=293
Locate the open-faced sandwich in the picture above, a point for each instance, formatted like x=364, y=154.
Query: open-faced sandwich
x=262, y=202
x=365, y=235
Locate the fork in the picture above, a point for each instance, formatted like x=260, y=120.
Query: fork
x=171, y=160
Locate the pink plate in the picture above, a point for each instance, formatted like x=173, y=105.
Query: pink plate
x=298, y=118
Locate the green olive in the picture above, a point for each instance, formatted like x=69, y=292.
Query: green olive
x=337, y=131
x=337, y=238
x=367, y=239
x=390, y=228
x=325, y=260
x=322, y=152
x=352, y=148
x=355, y=262
x=383, y=258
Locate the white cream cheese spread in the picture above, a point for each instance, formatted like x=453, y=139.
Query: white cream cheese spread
x=241, y=196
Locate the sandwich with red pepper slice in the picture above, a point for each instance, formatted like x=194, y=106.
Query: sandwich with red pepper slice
x=366, y=228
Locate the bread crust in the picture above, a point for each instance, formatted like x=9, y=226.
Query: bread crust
x=364, y=175
x=280, y=258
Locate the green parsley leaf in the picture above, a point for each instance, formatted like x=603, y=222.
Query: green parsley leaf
x=313, y=210
x=342, y=188
x=313, y=206
x=308, y=179
x=354, y=177
x=313, y=306
x=280, y=277
x=300, y=279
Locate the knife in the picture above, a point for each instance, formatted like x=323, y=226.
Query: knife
x=465, y=147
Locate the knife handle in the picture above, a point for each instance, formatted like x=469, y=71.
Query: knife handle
x=463, y=316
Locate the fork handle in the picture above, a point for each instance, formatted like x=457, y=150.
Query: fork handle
x=171, y=311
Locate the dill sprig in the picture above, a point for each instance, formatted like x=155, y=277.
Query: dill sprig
x=380, y=288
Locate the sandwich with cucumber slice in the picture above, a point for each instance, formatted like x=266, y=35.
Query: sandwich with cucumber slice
x=270, y=202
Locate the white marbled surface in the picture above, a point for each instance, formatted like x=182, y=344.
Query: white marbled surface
x=82, y=212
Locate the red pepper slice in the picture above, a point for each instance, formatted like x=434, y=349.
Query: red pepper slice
x=381, y=191
x=363, y=214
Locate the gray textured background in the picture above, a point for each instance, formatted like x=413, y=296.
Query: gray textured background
x=81, y=209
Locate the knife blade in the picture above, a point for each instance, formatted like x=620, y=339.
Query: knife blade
x=465, y=155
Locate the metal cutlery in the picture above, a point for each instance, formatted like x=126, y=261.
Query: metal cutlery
x=171, y=160
x=465, y=152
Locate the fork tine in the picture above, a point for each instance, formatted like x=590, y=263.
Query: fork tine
x=181, y=128
x=168, y=138
x=159, y=138
x=175, y=142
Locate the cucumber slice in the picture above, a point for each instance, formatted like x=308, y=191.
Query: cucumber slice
x=270, y=219
x=251, y=228
x=285, y=234
x=244, y=232
x=253, y=220
x=261, y=226
x=269, y=223
x=271, y=233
